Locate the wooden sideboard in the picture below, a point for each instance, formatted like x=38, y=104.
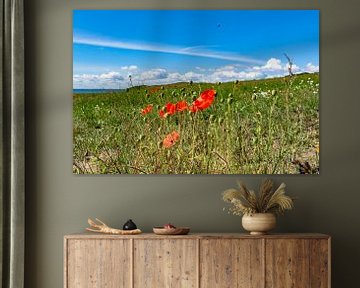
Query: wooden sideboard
x=197, y=260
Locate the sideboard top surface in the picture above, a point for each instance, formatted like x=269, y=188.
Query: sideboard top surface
x=87, y=235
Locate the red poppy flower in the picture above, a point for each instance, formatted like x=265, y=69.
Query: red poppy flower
x=193, y=108
x=147, y=109
x=170, y=108
x=181, y=106
x=171, y=139
x=208, y=94
x=162, y=114
x=205, y=99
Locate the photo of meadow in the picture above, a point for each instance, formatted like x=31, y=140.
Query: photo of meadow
x=196, y=92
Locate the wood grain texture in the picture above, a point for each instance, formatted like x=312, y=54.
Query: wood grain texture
x=88, y=235
x=319, y=263
x=98, y=264
x=197, y=260
x=231, y=263
x=287, y=263
x=166, y=263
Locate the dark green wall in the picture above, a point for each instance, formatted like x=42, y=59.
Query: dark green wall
x=59, y=202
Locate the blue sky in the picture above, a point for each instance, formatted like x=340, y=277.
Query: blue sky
x=165, y=46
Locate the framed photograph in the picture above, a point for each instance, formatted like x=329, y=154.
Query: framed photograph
x=196, y=92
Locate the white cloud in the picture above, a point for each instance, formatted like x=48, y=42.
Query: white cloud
x=225, y=68
x=176, y=77
x=226, y=74
x=311, y=68
x=111, y=76
x=272, y=64
x=275, y=68
x=231, y=75
x=200, y=69
x=129, y=68
x=198, y=51
x=154, y=74
x=108, y=80
x=294, y=68
x=161, y=76
x=193, y=76
x=157, y=76
x=251, y=75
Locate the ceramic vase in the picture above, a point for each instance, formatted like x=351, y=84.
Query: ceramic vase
x=259, y=223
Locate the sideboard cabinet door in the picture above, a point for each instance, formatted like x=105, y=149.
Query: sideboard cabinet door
x=320, y=263
x=197, y=261
x=297, y=263
x=165, y=263
x=231, y=263
x=98, y=263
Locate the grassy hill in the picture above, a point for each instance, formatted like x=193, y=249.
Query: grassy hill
x=251, y=127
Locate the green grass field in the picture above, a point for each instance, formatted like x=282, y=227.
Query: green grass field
x=252, y=127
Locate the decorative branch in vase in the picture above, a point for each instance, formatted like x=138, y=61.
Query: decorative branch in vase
x=258, y=210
